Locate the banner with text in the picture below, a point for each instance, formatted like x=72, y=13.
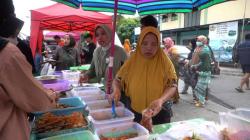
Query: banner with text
x=222, y=40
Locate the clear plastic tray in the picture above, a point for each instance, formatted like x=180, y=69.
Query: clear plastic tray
x=85, y=91
x=72, y=76
x=93, y=98
x=102, y=105
x=36, y=135
x=104, y=117
x=124, y=128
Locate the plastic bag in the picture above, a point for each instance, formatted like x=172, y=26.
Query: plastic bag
x=236, y=123
x=47, y=69
x=204, y=130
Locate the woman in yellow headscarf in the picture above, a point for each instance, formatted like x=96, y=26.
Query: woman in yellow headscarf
x=148, y=78
x=127, y=46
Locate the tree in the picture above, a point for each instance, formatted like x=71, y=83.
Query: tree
x=125, y=28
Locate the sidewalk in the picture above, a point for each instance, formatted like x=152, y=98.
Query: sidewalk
x=185, y=109
x=223, y=88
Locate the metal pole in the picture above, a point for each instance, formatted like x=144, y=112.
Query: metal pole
x=112, y=51
x=243, y=22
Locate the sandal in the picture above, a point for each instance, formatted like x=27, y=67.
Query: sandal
x=239, y=89
x=198, y=104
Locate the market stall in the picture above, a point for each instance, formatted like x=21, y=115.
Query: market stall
x=62, y=18
x=86, y=114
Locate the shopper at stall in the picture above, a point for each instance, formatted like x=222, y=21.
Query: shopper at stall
x=88, y=49
x=189, y=76
x=148, y=79
x=100, y=61
x=201, y=61
x=20, y=93
x=67, y=56
x=171, y=50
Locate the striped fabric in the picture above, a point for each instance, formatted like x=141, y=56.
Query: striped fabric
x=144, y=7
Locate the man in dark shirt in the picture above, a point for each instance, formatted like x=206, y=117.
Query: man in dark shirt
x=88, y=49
x=243, y=56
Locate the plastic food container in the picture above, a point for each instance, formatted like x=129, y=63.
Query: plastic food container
x=93, y=98
x=58, y=73
x=47, y=79
x=80, y=135
x=72, y=76
x=59, y=85
x=102, y=105
x=36, y=135
x=76, y=105
x=117, y=130
x=104, y=117
x=84, y=91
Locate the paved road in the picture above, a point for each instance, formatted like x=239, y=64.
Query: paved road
x=222, y=97
x=185, y=109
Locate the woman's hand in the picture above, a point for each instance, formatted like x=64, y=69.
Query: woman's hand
x=156, y=106
x=53, y=96
x=116, y=95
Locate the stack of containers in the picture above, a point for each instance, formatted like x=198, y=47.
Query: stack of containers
x=88, y=94
x=102, y=105
x=101, y=115
x=72, y=76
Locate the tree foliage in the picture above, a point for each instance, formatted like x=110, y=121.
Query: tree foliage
x=125, y=28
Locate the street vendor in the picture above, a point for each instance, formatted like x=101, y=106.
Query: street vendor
x=99, y=65
x=20, y=93
x=148, y=78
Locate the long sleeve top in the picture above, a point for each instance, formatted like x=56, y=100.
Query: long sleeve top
x=20, y=93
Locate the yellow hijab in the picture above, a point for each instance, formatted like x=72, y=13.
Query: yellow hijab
x=127, y=45
x=144, y=80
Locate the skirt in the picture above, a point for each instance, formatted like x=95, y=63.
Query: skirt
x=204, y=79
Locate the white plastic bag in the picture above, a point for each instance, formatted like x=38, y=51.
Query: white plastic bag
x=47, y=69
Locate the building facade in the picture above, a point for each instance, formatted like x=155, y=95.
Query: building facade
x=183, y=27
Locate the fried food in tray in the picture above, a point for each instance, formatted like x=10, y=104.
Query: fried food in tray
x=50, y=122
x=123, y=137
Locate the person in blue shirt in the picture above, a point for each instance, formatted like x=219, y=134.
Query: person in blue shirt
x=243, y=57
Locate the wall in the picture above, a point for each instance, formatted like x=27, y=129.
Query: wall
x=173, y=24
x=227, y=11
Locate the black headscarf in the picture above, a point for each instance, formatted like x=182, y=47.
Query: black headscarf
x=72, y=41
x=71, y=45
x=193, y=43
x=10, y=26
